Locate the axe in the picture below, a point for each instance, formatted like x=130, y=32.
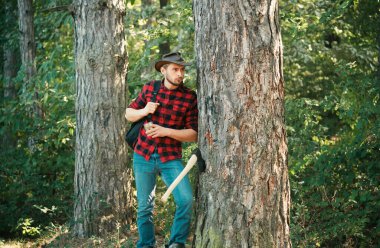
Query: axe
x=196, y=156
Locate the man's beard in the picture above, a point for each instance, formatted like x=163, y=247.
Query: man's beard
x=171, y=82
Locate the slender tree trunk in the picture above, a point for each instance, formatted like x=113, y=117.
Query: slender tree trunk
x=164, y=46
x=103, y=182
x=146, y=3
x=28, y=51
x=10, y=72
x=145, y=6
x=244, y=196
x=27, y=41
x=11, y=52
x=11, y=66
x=28, y=56
x=378, y=53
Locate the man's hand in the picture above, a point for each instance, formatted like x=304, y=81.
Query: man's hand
x=134, y=115
x=151, y=107
x=157, y=131
x=182, y=135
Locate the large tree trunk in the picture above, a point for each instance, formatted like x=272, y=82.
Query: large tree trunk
x=244, y=196
x=103, y=182
x=28, y=56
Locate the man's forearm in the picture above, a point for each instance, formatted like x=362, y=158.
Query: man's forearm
x=134, y=115
x=183, y=135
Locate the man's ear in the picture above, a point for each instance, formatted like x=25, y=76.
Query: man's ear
x=162, y=69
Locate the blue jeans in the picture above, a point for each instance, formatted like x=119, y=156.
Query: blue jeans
x=145, y=177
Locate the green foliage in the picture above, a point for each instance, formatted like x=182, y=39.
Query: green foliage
x=38, y=169
x=25, y=225
x=335, y=178
x=332, y=114
x=149, y=26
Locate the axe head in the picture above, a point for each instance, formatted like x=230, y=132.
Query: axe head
x=200, y=161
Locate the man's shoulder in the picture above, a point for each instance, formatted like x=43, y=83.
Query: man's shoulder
x=152, y=82
x=149, y=86
x=189, y=91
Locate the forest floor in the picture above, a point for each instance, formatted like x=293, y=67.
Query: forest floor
x=62, y=238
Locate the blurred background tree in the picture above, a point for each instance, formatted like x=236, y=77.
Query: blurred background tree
x=332, y=80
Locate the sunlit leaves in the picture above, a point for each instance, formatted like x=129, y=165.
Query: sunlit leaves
x=332, y=113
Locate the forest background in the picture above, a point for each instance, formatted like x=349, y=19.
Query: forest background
x=332, y=81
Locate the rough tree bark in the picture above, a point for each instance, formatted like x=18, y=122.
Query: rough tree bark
x=244, y=195
x=103, y=182
x=27, y=41
x=28, y=56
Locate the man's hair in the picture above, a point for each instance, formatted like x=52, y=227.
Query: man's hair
x=165, y=66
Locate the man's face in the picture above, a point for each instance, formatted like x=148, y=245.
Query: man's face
x=174, y=73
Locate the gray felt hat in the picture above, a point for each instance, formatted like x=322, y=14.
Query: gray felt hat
x=174, y=57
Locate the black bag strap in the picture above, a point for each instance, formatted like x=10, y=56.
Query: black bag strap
x=156, y=88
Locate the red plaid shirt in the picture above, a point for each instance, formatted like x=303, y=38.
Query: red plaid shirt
x=177, y=110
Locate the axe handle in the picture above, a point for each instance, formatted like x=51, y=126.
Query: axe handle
x=189, y=165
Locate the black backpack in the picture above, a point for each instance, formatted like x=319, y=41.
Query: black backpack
x=133, y=133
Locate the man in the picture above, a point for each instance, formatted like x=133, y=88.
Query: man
x=158, y=150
